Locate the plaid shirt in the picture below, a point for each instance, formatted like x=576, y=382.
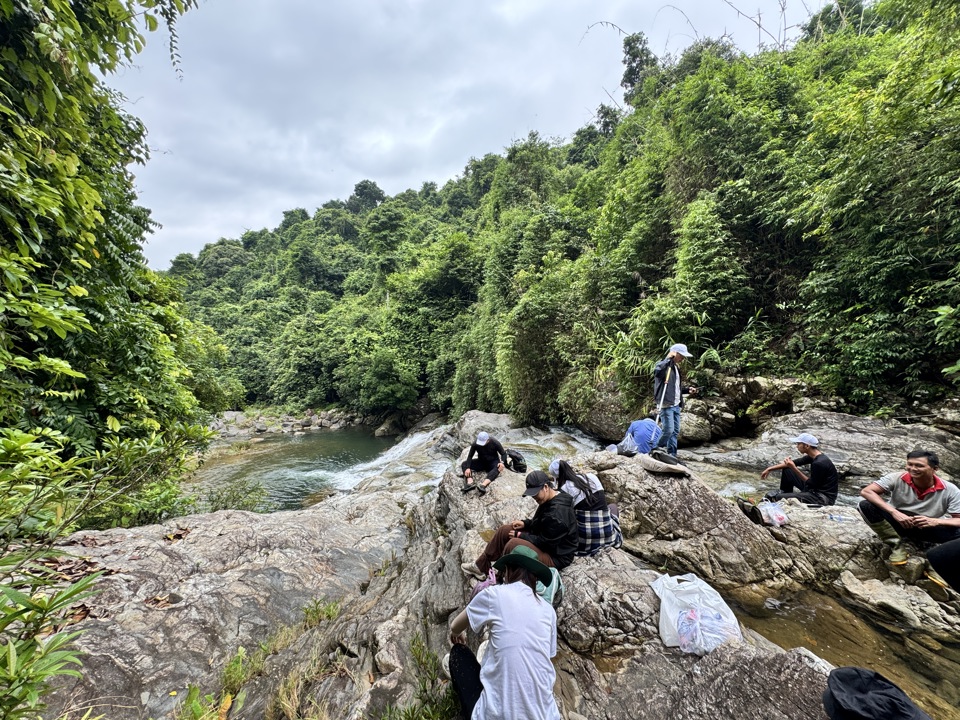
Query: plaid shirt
x=597, y=529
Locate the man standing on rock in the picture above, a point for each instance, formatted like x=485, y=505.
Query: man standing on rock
x=915, y=505
x=551, y=532
x=819, y=489
x=668, y=392
x=491, y=458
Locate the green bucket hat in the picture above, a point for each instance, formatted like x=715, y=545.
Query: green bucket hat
x=525, y=557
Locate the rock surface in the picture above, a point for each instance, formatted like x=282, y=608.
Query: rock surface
x=859, y=446
x=182, y=597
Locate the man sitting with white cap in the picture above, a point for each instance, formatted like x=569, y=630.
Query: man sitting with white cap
x=490, y=458
x=819, y=489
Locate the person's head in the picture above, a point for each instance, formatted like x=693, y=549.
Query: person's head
x=806, y=442
x=522, y=565
x=561, y=471
x=678, y=352
x=483, y=438
x=538, y=487
x=922, y=466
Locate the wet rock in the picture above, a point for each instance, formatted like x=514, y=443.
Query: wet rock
x=393, y=425
x=608, y=417
x=695, y=427
x=390, y=553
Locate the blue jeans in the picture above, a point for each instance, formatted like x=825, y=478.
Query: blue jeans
x=670, y=419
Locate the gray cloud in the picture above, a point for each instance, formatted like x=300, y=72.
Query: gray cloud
x=289, y=103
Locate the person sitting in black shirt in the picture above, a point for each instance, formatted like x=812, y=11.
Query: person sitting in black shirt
x=490, y=458
x=819, y=489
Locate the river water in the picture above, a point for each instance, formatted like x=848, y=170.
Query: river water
x=296, y=471
x=299, y=471
x=827, y=628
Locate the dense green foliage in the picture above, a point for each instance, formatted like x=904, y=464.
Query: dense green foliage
x=102, y=379
x=789, y=212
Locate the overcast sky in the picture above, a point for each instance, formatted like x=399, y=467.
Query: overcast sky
x=289, y=103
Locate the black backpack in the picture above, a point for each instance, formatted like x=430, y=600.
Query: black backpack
x=515, y=461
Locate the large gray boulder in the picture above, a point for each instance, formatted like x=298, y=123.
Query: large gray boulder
x=180, y=598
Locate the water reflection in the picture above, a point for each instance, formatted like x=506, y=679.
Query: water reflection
x=828, y=629
x=294, y=468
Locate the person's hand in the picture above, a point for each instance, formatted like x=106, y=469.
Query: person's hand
x=460, y=639
x=468, y=473
x=763, y=475
x=790, y=463
x=500, y=466
x=903, y=519
x=517, y=524
x=692, y=391
x=672, y=355
x=921, y=521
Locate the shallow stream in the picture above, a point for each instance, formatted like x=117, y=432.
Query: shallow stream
x=297, y=471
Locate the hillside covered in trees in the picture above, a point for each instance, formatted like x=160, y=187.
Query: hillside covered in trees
x=790, y=212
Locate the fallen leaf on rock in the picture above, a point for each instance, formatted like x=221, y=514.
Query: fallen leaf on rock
x=178, y=534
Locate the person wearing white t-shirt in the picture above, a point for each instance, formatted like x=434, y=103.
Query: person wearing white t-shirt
x=515, y=680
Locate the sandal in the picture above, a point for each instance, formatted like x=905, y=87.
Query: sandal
x=467, y=487
x=482, y=489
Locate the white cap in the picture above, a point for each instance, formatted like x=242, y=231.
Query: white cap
x=682, y=349
x=482, y=438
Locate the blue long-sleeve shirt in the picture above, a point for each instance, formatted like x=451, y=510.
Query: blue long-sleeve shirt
x=645, y=434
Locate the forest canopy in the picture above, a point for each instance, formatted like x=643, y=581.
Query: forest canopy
x=788, y=212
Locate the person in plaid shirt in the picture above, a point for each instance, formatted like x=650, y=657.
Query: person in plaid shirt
x=597, y=526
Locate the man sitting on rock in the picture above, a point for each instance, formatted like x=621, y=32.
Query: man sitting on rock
x=551, y=532
x=490, y=458
x=819, y=489
x=915, y=505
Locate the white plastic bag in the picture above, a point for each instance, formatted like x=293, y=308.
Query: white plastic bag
x=693, y=616
x=627, y=446
x=773, y=513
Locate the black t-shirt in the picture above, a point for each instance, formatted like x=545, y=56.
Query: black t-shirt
x=824, y=478
x=489, y=453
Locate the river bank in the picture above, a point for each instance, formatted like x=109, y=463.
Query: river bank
x=387, y=556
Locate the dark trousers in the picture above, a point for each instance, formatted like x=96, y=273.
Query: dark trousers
x=501, y=543
x=945, y=559
x=791, y=480
x=936, y=535
x=477, y=465
x=465, y=676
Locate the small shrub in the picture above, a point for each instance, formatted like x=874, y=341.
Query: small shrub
x=244, y=494
x=207, y=707
x=317, y=611
x=240, y=669
x=434, y=699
